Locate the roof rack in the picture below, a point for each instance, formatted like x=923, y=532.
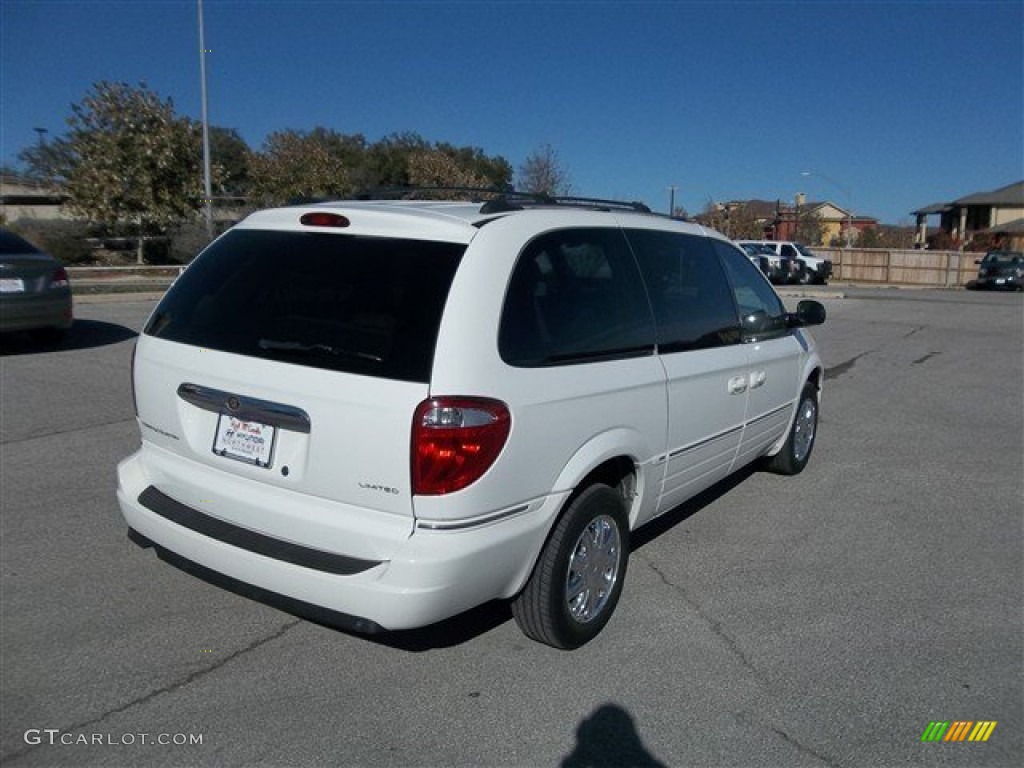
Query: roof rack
x=499, y=199
x=516, y=201
x=415, y=192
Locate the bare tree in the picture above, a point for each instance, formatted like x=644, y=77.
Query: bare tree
x=543, y=173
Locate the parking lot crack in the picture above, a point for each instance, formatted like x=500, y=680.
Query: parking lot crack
x=713, y=624
x=169, y=688
x=747, y=719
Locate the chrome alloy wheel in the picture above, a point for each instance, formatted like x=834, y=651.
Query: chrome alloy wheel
x=593, y=569
x=803, y=428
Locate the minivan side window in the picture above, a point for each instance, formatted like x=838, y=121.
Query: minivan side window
x=575, y=296
x=762, y=314
x=688, y=290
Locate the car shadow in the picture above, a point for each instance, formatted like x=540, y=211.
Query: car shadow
x=83, y=334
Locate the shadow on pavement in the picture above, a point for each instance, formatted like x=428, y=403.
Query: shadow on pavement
x=84, y=334
x=608, y=739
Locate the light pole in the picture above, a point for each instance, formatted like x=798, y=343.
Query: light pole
x=206, y=125
x=849, y=200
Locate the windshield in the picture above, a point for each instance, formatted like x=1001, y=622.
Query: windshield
x=805, y=251
x=1004, y=257
x=366, y=305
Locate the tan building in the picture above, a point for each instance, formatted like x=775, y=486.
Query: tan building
x=1001, y=210
x=23, y=198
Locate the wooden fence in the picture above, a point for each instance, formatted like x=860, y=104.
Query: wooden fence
x=937, y=269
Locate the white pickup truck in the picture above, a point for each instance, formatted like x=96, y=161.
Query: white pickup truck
x=814, y=269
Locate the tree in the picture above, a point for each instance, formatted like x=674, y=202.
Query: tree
x=299, y=164
x=810, y=228
x=543, y=173
x=734, y=220
x=48, y=162
x=229, y=151
x=436, y=168
x=128, y=161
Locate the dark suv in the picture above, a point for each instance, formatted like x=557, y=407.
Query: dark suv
x=1001, y=270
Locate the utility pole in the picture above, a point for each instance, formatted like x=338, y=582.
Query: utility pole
x=672, y=200
x=208, y=191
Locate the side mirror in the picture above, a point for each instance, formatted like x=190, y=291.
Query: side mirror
x=808, y=312
x=755, y=323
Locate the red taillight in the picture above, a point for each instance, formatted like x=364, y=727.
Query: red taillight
x=454, y=441
x=323, y=219
x=59, y=278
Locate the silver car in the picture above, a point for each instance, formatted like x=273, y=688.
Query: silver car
x=35, y=294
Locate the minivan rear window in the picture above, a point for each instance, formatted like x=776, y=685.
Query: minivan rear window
x=364, y=305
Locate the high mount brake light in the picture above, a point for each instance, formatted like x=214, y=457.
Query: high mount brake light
x=323, y=219
x=455, y=440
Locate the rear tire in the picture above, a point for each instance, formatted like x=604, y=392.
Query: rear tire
x=578, y=578
x=796, y=451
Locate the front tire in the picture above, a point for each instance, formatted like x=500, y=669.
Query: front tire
x=796, y=451
x=578, y=578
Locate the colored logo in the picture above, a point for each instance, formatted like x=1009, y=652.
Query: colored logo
x=958, y=730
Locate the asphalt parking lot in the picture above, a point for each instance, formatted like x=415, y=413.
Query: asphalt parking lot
x=825, y=619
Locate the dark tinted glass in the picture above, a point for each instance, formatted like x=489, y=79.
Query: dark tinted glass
x=690, y=295
x=11, y=243
x=363, y=305
x=762, y=313
x=575, y=296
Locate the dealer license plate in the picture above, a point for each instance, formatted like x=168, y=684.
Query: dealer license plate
x=247, y=441
x=12, y=285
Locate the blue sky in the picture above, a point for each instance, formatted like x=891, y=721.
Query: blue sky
x=894, y=105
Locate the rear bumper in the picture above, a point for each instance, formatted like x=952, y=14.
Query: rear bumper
x=1000, y=282
x=28, y=312
x=432, y=575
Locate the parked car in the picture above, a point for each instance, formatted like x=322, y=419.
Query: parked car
x=35, y=294
x=1002, y=270
x=390, y=412
x=811, y=268
x=778, y=269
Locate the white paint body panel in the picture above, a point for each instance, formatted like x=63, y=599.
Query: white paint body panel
x=348, y=488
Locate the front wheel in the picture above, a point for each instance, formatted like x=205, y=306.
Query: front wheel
x=796, y=451
x=578, y=578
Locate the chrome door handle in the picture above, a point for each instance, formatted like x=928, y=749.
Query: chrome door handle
x=737, y=385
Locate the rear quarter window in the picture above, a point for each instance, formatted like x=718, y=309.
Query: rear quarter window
x=575, y=296
x=364, y=305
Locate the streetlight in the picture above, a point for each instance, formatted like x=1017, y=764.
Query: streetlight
x=206, y=125
x=849, y=200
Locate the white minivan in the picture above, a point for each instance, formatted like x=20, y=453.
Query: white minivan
x=389, y=412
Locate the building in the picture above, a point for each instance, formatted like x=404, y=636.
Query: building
x=994, y=214
x=779, y=221
x=24, y=198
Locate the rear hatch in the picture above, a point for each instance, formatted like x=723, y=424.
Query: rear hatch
x=293, y=360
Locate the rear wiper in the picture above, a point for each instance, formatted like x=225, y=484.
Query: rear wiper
x=299, y=347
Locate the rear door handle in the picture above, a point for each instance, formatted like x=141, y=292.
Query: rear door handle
x=737, y=385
